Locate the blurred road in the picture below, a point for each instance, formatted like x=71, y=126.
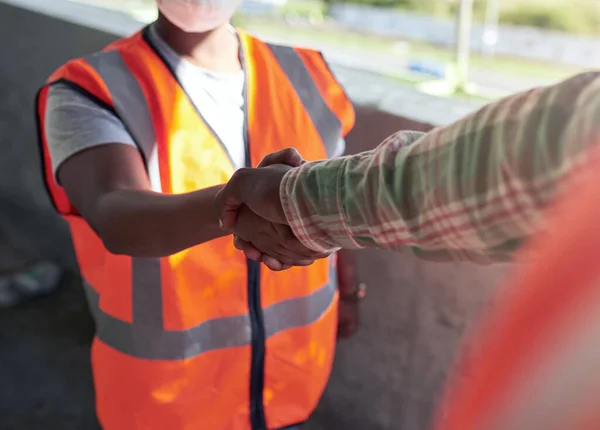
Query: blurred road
x=362, y=59
x=389, y=65
x=386, y=378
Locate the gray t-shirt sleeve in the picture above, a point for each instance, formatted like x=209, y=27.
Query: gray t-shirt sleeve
x=74, y=123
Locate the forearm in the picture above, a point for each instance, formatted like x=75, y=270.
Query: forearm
x=148, y=224
x=474, y=190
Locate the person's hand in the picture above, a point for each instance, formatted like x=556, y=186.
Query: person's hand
x=272, y=244
x=351, y=292
x=348, y=318
x=258, y=189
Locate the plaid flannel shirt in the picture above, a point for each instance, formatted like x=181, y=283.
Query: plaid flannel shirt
x=473, y=190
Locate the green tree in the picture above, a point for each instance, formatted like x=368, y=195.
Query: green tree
x=580, y=18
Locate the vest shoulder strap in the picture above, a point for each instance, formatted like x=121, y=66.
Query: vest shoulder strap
x=85, y=76
x=310, y=74
x=331, y=89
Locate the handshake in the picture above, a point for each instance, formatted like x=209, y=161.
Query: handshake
x=250, y=207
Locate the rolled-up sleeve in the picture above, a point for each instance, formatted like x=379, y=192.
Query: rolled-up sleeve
x=474, y=190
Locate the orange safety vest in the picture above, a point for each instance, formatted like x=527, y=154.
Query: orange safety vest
x=205, y=339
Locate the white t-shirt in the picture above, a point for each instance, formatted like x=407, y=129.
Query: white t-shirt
x=74, y=123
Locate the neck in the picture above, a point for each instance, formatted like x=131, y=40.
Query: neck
x=216, y=50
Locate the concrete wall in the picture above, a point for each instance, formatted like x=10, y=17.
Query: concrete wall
x=387, y=377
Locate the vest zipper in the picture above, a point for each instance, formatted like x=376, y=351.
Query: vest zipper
x=257, y=323
x=257, y=369
x=257, y=365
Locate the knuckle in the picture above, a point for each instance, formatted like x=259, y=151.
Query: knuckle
x=293, y=152
x=267, y=160
x=239, y=173
x=272, y=262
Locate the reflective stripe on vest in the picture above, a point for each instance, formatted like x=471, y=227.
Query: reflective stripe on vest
x=219, y=333
x=327, y=124
x=130, y=105
x=146, y=338
x=128, y=97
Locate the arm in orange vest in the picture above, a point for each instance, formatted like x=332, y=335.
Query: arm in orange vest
x=109, y=187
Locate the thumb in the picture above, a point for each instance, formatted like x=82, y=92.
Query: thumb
x=227, y=204
x=289, y=156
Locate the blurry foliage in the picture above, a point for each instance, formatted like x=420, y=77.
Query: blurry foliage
x=579, y=17
x=572, y=16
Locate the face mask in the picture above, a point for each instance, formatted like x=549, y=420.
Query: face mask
x=198, y=16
